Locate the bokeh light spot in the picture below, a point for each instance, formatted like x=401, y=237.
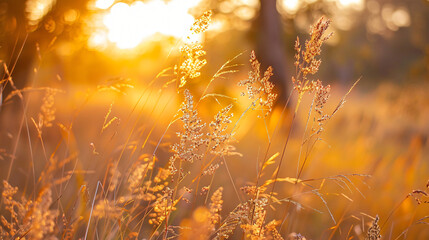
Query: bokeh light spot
x=37, y=9
x=291, y=6
x=70, y=16
x=401, y=18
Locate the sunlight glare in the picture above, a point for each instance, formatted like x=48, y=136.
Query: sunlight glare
x=37, y=9
x=401, y=17
x=104, y=4
x=356, y=4
x=97, y=40
x=291, y=6
x=127, y=26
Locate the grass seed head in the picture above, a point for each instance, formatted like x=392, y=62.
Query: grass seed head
x=374, y=231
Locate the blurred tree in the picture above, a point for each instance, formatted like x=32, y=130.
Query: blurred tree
x=262, y=23
x=269, y=44
x=28, y=28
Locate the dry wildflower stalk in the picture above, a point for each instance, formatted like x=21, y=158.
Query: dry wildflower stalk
x=305, y=59
x=42, y=220
x=374, y=231
x=46, y=177
x=204, y=190
x=107, y=209
x=138, y=174
x=108, y=123
x=216, y=207
x=12, y=227
x=234, y=218
x=253, y=227
x=259, y=89
x=162, y=175
x=33, y=219
x=306, y=63
x=162, y=207
x=192, y=64
x=192, y=53
x=47, y=110
x=321, y=96
x=250, y=190
x=202, y=23
x=418, y=196
x=218, y=137
x=114, y=177
x=271, y=231
x=69, y=227
x=149, y=192
x=147, y=189
x=192, y=138
x=211, y=169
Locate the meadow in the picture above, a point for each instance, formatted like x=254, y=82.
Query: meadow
x=186, y=156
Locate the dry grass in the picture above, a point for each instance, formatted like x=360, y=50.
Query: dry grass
x=154, y=169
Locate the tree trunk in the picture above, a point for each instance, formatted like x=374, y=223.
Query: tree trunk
x=269, y=49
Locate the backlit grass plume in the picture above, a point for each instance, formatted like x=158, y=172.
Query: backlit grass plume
x=306, y=61
x=192, y=53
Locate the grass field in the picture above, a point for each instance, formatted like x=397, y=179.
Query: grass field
x=183, y=157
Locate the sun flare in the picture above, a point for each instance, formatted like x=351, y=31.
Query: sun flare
x=129, y=25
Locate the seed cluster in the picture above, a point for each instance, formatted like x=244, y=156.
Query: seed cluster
x=258, y=88
x=305, y=59
x=374, y=231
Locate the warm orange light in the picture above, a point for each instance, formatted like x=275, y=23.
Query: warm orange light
x=104, y=4
x=128, y=25
x=70, y=16
x=291, y=6
x=356, y=4
x=98, y=40
x=37, y=9
x=401, y=17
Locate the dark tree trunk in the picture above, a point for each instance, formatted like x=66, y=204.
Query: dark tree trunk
x=17, y=45
x=15, y=50
x=269, y=49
